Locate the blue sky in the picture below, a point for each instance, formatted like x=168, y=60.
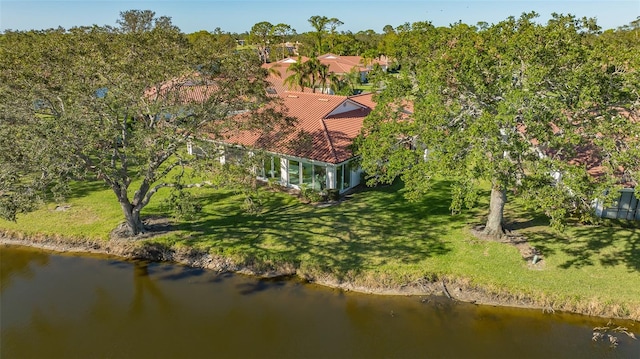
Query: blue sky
x=240, y=15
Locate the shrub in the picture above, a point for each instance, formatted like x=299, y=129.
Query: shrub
x=310, y=194
x=333, y=194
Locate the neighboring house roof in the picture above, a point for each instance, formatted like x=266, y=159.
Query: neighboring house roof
x=337, y=64
x=588, y=155
x=326, y=128
x=364, y=99
x=349, y=62
x=278, y=72
x=182, y=89
x=342, y=64
x=592, y=158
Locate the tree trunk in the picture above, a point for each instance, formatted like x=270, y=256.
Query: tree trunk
x=494, y=227
x=132, y=215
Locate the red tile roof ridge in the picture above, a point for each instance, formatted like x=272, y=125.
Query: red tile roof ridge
x=314, y=94
x=365, y=99
x=362, y=95
x=328, y=138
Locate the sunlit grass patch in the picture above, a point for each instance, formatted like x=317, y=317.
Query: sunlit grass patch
x=376, y=238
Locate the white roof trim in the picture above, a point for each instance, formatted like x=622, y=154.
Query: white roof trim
x=338, y=109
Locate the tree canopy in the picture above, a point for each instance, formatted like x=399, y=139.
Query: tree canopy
x=261, y=35
x=515, y=104
x=118, y=105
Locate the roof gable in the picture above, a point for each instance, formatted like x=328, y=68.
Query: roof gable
x=346, y=106
x=324, y=132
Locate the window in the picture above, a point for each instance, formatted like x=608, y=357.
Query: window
x=233, y=155
x=346, y=176
x=271, y=167
x=266, y=168
x=307, y=173
x=319, y=177
x=276, y=167
x=294, y=172
x=343, y=176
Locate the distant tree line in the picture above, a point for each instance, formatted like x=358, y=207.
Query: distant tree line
x=270, y=39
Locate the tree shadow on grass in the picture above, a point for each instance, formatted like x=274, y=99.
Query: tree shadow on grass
x=622, y=247
x=79, y=189
x=611, y=243
x=370, y=229
x=590, y=245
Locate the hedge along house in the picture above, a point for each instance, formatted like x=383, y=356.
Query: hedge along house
x=317, y=153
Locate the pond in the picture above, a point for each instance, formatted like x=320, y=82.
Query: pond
x=64, y=306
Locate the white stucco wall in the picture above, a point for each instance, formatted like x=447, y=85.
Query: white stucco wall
x=331, y=177
x=284, y=171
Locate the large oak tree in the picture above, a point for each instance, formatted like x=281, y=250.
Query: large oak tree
x=118, y=105
x=514, y=104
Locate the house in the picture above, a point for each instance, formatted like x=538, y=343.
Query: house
x=626, y=206
x=317, y=153
x=341, y=65
x=279, y=71
x=626, y=203
x=338, y=65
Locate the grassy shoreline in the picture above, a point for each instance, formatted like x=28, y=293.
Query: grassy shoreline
x=373, y=241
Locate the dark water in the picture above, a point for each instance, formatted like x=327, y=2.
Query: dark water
x=56, y=306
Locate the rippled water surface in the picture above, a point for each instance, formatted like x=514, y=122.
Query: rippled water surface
x=62, y=306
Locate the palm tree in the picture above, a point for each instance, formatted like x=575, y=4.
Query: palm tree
x=338, y=85
x=273, y=70
x=312, y=69
x=346, y=84
x=299, y=76
x=323, y=76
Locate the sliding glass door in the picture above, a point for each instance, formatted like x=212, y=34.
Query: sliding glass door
x=308, y=174
x=294, y=172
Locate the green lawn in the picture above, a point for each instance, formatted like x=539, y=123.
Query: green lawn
x=376, y=238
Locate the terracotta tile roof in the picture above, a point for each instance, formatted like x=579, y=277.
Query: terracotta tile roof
x=365, y=99
x=337, y=64
x=279, y=72
x=592, y=158
x=183, y=90
x=278, y=85
x=588, y=155
x=324, y=132
x=342, y=129
x=342, y=64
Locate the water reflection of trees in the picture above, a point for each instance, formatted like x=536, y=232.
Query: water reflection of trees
x=112, y=323
x=16, y=261
x=143, y=283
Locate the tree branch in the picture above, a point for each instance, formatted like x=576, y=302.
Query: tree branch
x=157, y=187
